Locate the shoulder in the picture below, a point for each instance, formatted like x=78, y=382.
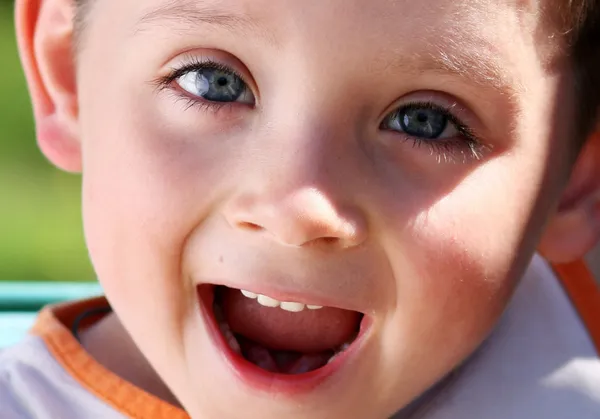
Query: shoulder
x=33, y=384
x=541, y=361
x=27, y=375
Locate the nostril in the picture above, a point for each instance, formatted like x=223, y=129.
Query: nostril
x=330, y=240
x=323, y=241
x=249, y=226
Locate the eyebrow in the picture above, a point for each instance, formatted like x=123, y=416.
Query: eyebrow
x=188, y=13
x=482, y=69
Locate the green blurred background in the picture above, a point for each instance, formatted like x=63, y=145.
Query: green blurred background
x=41, y=237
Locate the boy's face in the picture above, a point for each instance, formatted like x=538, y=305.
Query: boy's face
x=394, y=158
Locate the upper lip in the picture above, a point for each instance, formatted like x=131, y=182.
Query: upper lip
x=351, y=280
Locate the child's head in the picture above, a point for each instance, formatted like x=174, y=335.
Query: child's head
x=401, y=159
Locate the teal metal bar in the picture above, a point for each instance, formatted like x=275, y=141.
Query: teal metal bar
x=14, y=327
x=20, y=302
x=32, y=296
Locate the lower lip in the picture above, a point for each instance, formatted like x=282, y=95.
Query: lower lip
x=268, y=382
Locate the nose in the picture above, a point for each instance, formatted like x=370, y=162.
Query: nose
x=300, y=216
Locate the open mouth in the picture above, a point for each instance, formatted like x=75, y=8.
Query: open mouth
x=280, y=337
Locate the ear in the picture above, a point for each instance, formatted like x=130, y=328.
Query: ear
x=574, y=229
x=45, y=39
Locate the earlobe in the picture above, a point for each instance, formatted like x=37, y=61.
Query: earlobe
x=574, y=229
x=45, y=38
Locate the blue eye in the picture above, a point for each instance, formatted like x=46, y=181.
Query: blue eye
x=424, y=121
x=215, y=85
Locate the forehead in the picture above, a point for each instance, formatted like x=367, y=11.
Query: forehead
x=375, y=15
x=392, y=22
x=491, y=42
x=280, y=19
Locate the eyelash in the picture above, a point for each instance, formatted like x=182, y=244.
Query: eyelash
x=467, y=147
x=195, y=64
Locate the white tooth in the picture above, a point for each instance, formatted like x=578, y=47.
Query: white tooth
x=249, y=294
x=230, y=338
x=344, y=347
x=234, y=344
x=267, y=301
x=332, y=358
x=311, y=307
x=291, y=306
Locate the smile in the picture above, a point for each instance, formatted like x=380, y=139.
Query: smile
x=278, y=345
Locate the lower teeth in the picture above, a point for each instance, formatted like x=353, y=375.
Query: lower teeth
x=339, y=351
x=344, y=347
x=230, y=338
x=227, y=333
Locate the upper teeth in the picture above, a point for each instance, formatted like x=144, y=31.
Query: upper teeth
x=285, y=305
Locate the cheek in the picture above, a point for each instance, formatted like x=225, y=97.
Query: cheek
x=457, y=262
x=147, y=184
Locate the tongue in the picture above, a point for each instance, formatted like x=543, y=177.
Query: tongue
x=308, y=331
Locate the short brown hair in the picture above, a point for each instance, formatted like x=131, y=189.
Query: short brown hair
x=579, y=22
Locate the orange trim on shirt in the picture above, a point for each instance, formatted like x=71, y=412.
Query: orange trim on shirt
x=583, y=290
x=53, y=326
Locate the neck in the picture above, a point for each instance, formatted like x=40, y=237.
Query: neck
x=108, y=342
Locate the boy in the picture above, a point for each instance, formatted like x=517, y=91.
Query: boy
x=339, y=209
